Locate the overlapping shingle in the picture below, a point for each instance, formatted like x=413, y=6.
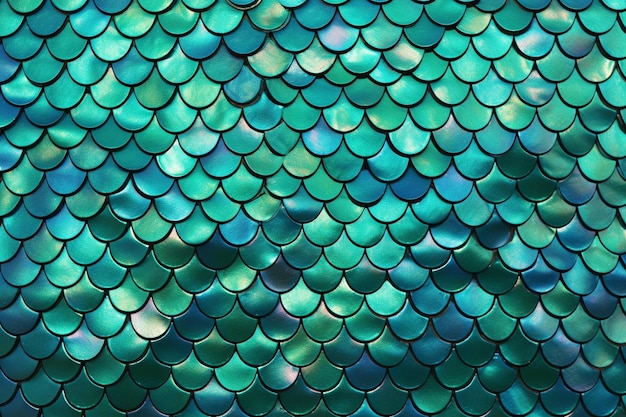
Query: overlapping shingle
x=311, y=207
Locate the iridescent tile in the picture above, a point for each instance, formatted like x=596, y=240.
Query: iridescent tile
x=559, y=398
x=154, y=6
x=40, y=390
x=431, y=114
x=453, y=44
x=576, y=43
x=580, y=376
x=359, y=13
x=321, y=375
x=82, y=393
x=513, y=18
x=89, y=21
x=169, y=398
x=424, y=33
x=126, y=394
x=315, y=15
x=179, y=19
x=42, y=68
x=474, y=398
x=337, y=36
x=610, y=41
x=19, y=405
x=256, y=399
x=518, y=399
x=556, y=18
x=22, y=44
x=449, y=89
x=213, y=398
x=599, y=400
x=104, y=369
x=400, y=14
x=12, y=17
x=386, y=398
x=431, y=397
x=491, y=43
x=156, y=302
x=104, y=321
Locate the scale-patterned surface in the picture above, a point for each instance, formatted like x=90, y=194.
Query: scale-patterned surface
x=312, y=208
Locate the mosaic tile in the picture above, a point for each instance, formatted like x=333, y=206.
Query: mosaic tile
x=235, y=207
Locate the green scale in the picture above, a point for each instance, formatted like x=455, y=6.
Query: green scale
x=363, y=208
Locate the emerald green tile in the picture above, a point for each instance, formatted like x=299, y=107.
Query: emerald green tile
x=256, y=399
x=213, y=398
x=22, y=44
x=426, y=33
x=178, y=19
x=18, y=91
x=104, y=321
x=306, y=116
x=126, y=394
x=343, y=350
x=169, y=398
x=300, y=350
x=134, y=21
x=40, y=390
x=102, y=45
x=307, y=399
x=576, y=43
x=432, y=397
x=12, y=17
x=453, y=44
x=610, y=40
x=112, y=7
x=82, y=393
x=449, y=89
x=381, y=25
x=338, y=36
x=600, y=400
x=359, y=13
x=89, y=21
x=556, y=18
x=387, y=398
x=321, y=326
x=321, y=374
x=580, y=376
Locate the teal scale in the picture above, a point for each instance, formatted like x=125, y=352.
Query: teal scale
x=312, y=207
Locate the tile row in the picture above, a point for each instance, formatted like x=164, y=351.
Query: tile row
x=289, y=207
x=171, y=373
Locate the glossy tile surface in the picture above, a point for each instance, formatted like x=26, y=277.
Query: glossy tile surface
x=312, y=207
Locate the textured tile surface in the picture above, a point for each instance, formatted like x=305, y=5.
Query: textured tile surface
x=290, y=207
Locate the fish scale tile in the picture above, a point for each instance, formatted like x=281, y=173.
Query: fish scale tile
x=319, y=207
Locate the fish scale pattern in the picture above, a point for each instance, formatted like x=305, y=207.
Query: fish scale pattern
x=329, y=208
